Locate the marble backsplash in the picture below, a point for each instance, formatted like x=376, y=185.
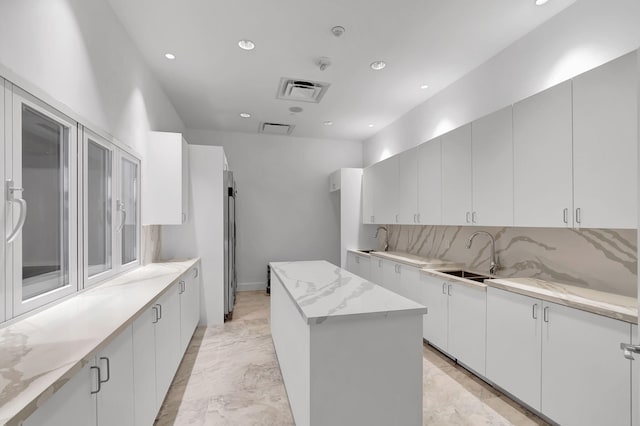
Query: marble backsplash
x=150, y=244
x=601, y=259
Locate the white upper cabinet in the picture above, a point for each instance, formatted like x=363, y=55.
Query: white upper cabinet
x=542, y=151
x=456, y=177
x=385, y=202
x=430, y=183
x=166, y=180
x=408, y=186
x=605, y=139
x=492, y=169
x=369, y=189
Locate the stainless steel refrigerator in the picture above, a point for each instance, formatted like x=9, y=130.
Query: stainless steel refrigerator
x=230, y=276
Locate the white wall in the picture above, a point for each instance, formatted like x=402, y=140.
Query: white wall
x=585, y=35
x=77, y=53
x=284, y=210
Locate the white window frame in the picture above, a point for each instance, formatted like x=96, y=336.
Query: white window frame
x=123, y=155
x=87, y=136
x=13, y=163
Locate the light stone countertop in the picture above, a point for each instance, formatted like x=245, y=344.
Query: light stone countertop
x=610, y=305
x=408, y=259
x=324, y=291
x=40, y=353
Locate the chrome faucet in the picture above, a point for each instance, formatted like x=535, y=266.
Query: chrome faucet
x=386, y=237
x=494, y=261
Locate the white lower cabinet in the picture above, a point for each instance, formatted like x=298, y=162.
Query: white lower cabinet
x=400, y=278
x=167, y=332
x=144, y=367
x=359, y=265
x=455, y=320
x=189, y=307
x=564, y=362
x=375, y=271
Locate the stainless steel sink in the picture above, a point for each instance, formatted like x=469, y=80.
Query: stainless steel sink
x=467, y=275
x=365, y=251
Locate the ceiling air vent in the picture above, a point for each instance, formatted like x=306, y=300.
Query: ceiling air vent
x=276, y=128
x=301, y=90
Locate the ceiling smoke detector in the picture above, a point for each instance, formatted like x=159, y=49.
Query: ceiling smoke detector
x=338, y=31
x=276, y=128
x=323, y=63
x=301, y=90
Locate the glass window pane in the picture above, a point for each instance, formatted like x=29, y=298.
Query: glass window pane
x=45, y=179
x=98, y=208
x=130, y=202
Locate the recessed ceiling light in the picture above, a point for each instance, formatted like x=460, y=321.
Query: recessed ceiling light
x=370, y=125
x=541, y=2
x=378, y=65
x=169, y=56
x=245, y=115
x=424, y=86
x=328, y=123
x=246, y=44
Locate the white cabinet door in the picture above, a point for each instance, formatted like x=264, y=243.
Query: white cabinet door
x=115, y=400
x=390, y=276
x=467, y=325
x=514, y=342
x=352, y=262
x=456, y=176
x=189, y=307
x=635, y=381
x=409, y=281
x=585, y=378
x=408, y=187
x=368, y=194
x=430, y=183
x=435, y=322
x=605, y=139
x=72, y=405
x=386, y=196
x=542, y=152
x=376, y=271
x=167, y=341
x=166, y=179
x=364, y=267
x=492, y=166
x=144, y=367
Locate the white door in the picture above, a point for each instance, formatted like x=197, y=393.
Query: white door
x=514, y=344
x=377, y=275
x=144, y=367
x=4, y=278
x=368, y=194
x=605, y=139
x=410, y=282
x=167, y=341
x=386, y=196
x=430, y=182
x=115, y=400
x=492, y=169
x=74, y=404
x=585, y=380
x=352, y=265
x=435, y=322
x=542, y=152
x=43, y=170
x=364, y=267
x=467, y=325
x=128, y=211
x=99, y=204
x=408, y=187
x=456, y=176
x=390, y=276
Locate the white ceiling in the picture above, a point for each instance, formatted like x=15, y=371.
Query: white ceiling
x=212, y=80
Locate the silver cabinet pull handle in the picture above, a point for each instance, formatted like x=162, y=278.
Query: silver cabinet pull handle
x=11, y=198
x=396, y=218
x=372, y=218
x=104, y=358
x=181, y=284
x=98, y=379
x=629, y=350
x=415, y=218
x=399, y=269
x=156, y=318
x=418, y=217
x=565, y=215
x=196, y=272
x=444, y=288
x=120, y=206
x=545, y=314
x=473, y=217
x=468, y=214
x=578, y=218
x=449, y=289
x=159, y=311
x=534, y=311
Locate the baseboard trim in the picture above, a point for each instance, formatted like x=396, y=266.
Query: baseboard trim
x=252, y=286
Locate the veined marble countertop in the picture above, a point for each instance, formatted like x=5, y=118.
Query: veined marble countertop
x=41, y=352
x=610, y=305
x=322, y=291
x=408, y=259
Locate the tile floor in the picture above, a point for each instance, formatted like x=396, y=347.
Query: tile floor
x=230, y=376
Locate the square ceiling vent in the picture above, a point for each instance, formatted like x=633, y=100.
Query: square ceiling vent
x=276, y=128
x=301, y=90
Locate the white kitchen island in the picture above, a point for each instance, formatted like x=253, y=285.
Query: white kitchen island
x=349, y=350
